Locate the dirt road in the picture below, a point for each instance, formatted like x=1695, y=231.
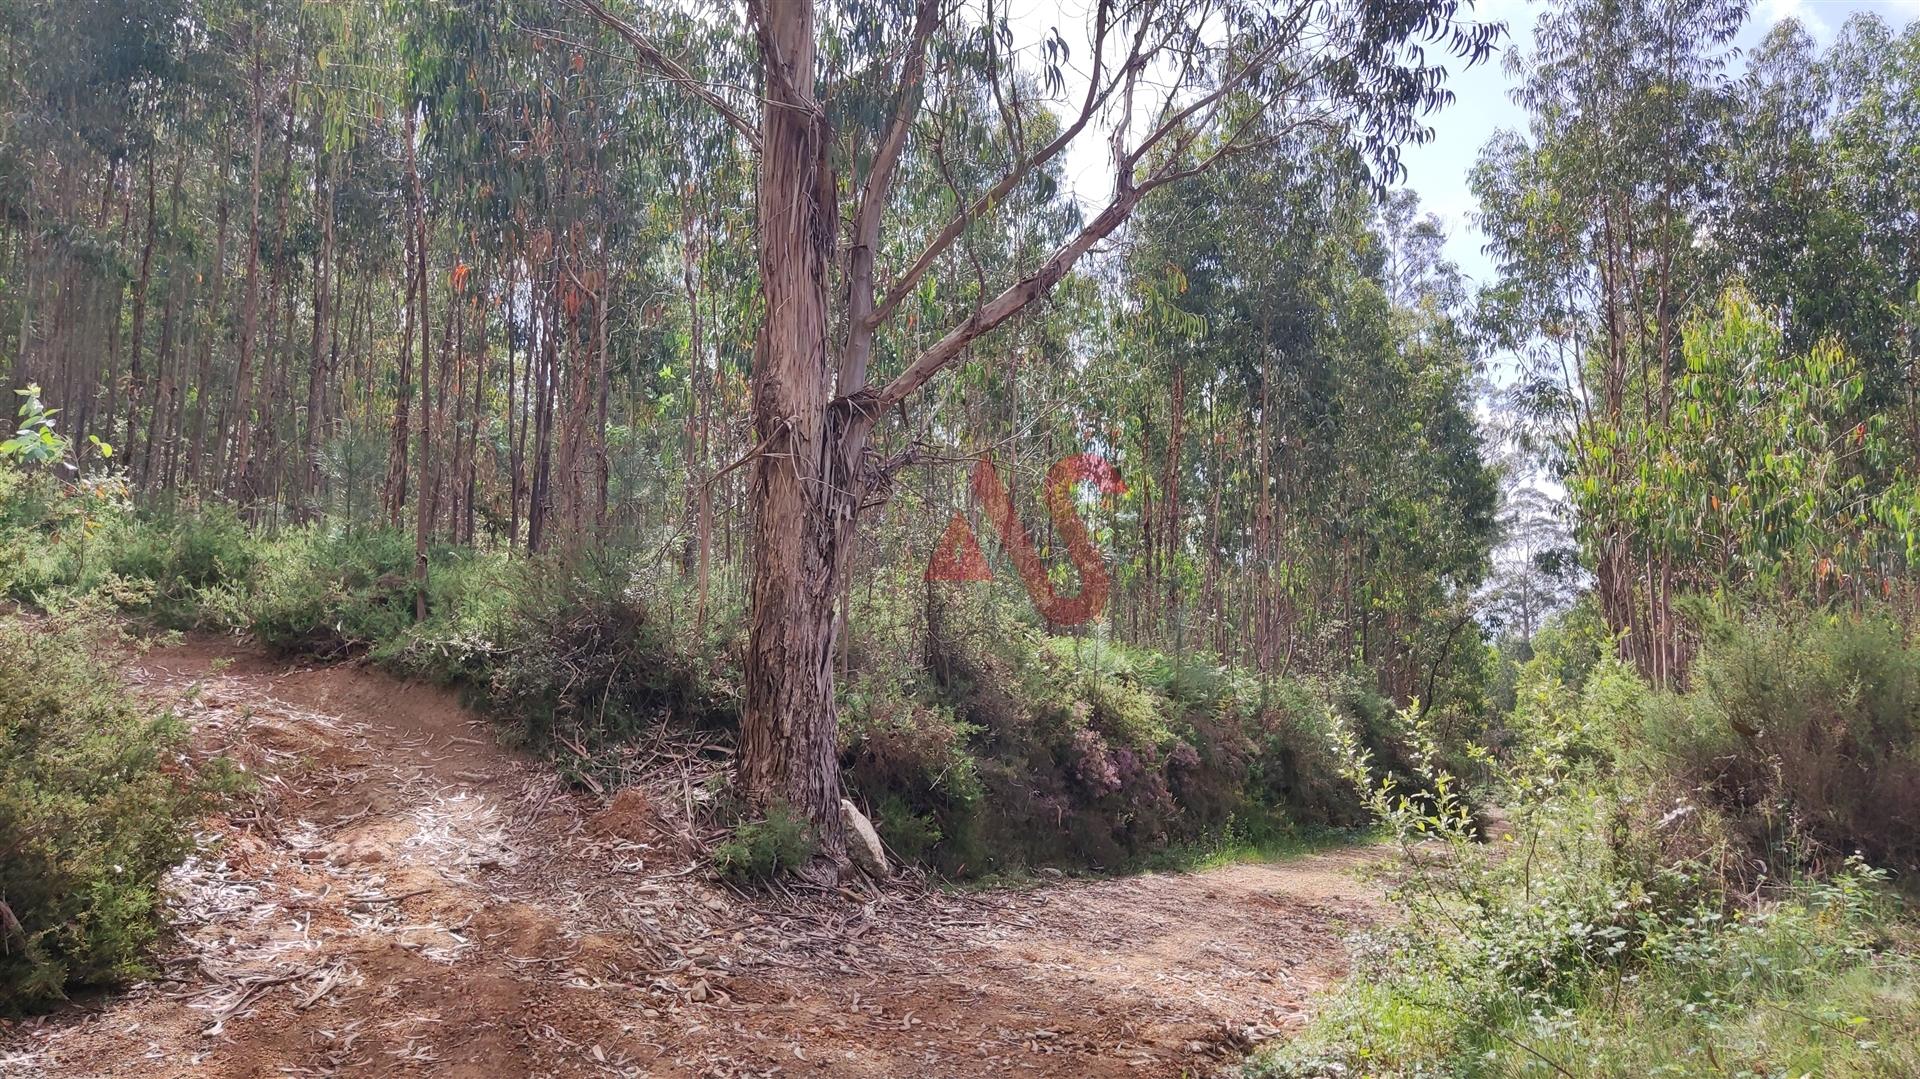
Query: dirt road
x=402, y=896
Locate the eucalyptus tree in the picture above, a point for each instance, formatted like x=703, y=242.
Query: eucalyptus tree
x=845, y=95
x=1593, y=216
x=1823, y=200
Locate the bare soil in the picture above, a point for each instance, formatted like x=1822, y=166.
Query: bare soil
x=401, y=895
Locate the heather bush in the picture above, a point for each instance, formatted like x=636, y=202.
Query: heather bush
x=1011, y=747
x=332, y=596
x=199, y=565
x=1803, y=731
x=96, y=805
x=55, y=533
x=577, y=648
x=1617, y=926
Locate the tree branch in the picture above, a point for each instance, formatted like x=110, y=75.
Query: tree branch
x=873, y=201
x=1035, y=285
x=1097, y=96
x=674, y=72
x=1015, y=298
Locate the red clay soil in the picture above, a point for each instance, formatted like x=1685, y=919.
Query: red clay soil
x=402, y=896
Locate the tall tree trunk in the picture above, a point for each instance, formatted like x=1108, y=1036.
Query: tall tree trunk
x=393, y=494
x=163, y=359
x=316, y=355
x=423, y=498
x=197, y=469
x=250, y=309
x=135, y=372
x=465, y=526
x=803, y=496
x=699, y=416
x=1170, y=503
x=516, y=425
x=544, y=360
x=602, y=467
x=270, y=472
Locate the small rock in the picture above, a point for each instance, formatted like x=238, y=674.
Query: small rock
x=863, y=843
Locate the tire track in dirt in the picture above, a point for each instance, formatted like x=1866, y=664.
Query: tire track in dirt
x=402, y=896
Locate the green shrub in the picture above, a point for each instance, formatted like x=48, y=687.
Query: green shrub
x=1017, y=748
x=1296, y=774
x=95, y=808
x=1803, y=730
x=909, y=754
x=763, y=849
x=331, y=596
x=471, y=602
x=577, y=648
x=55, y=535
x=197, y=564
x=910, y=835
x=1800, y=986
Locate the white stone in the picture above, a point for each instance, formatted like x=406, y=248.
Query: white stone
x=863, y=843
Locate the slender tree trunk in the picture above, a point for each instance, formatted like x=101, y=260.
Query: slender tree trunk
x=516, y=425
x=316, y=355
x=480, y=373
x=1170, y=503
x=250, y=308
x=276, y=374
x=394, y=492
x=423, y=500
x=602, y=467
x=167, y=381
x=539, y=498
x=197, y=469
x=136, y=375
x=703, y=387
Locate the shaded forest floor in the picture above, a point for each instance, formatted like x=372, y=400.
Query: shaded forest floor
x=401, y=895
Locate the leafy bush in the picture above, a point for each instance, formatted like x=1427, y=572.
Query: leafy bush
x=94, y=810
x=1801, y=986
x=763, y=849
x=1017, y=748
x=54, y=533
x=196, y=563
x=908, y=754
x=577, y=647
x=1804, y=731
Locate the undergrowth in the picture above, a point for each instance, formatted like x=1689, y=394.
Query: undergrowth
x=978, y=742
x=760, y=850
x=1643, y=915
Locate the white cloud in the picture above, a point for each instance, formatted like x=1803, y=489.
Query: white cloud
x=1774, y=11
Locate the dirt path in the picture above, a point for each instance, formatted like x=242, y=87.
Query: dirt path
x=404, y=897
